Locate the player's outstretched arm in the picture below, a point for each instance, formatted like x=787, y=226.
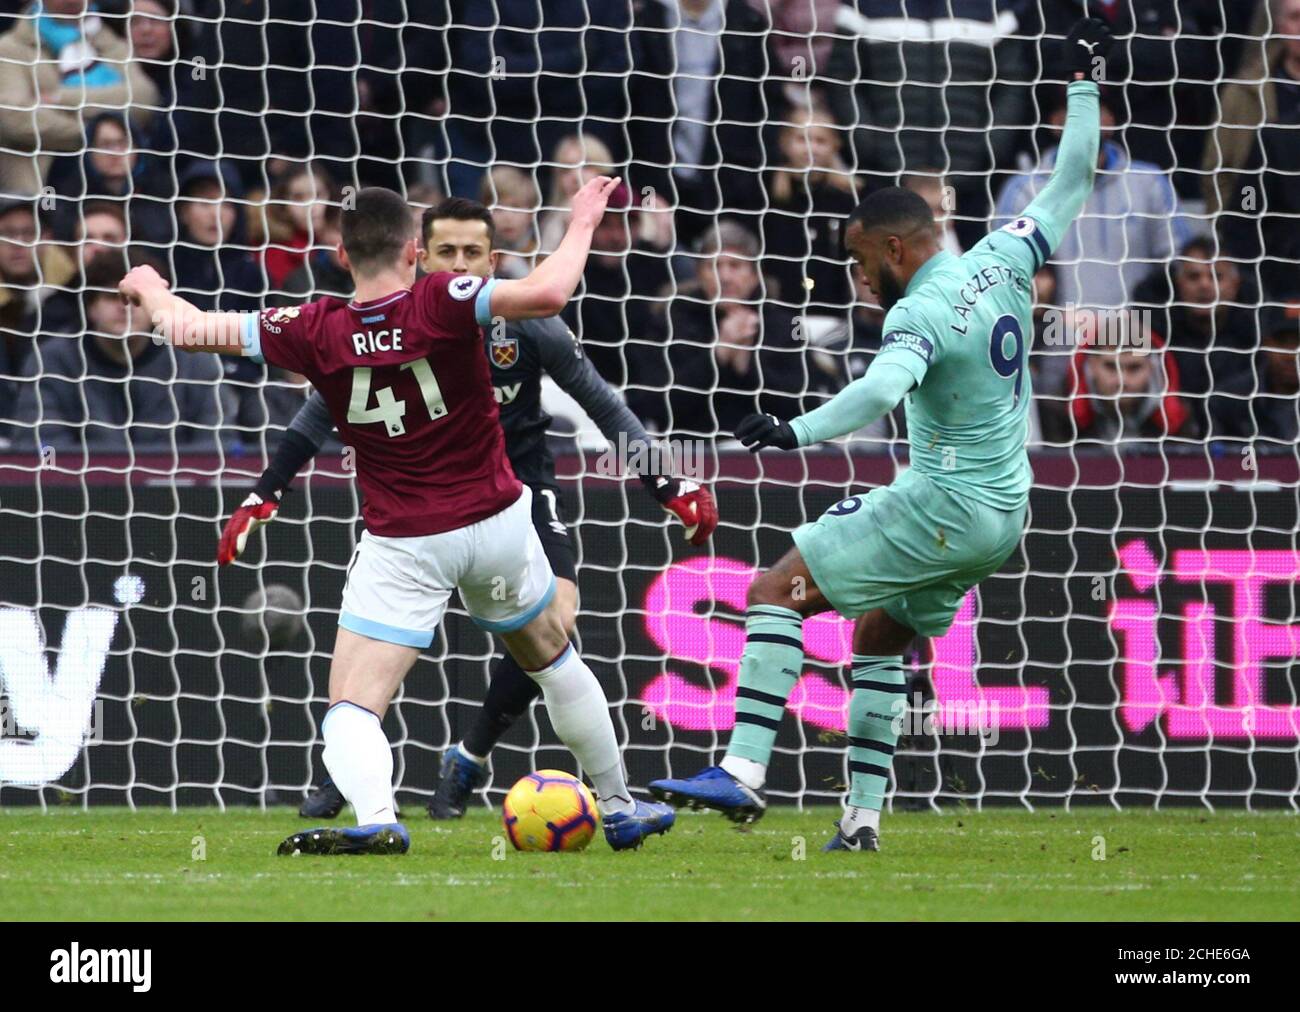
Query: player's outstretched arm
x=303, y=439
x=1076, y=159
x=185, y=326
x=687, y=500
x=547, y=290
x=858, y=404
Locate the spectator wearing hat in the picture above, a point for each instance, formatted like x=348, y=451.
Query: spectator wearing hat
x=723, y=350
x=211, y=267
x=115, y=389
x=214, y=270
x=1263, y=402
x=59, y=67
x=623, y=283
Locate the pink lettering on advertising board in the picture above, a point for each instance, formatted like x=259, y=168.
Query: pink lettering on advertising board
x=1185, y=693
x=695, y=611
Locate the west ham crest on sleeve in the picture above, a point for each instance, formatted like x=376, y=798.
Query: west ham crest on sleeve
x=505, y=351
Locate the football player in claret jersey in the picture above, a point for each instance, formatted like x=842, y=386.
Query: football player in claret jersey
x=402, y=370
x=900, y=559
x=457, y=236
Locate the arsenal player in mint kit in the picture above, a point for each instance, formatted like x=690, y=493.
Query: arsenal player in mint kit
x=402, y=370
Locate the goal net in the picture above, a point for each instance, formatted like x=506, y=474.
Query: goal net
x=1140, y=648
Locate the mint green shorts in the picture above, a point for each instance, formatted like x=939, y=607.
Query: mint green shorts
x=911, y=547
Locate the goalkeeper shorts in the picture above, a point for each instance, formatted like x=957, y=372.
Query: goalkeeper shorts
x=398, y=588
x=911, y=547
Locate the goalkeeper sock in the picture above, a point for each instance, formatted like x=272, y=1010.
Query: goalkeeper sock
x=874, y=721
x=360, y=761
x=510, y=693
x=580, y=715
x=769, y=668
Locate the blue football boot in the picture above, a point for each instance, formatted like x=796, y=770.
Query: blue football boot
x=713, y=788
x=459, y=778
x=628, y=830
x=865, y=838
x=377, y=838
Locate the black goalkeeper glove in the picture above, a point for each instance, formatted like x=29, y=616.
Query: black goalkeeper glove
x=758, y=431
x=1089, y=40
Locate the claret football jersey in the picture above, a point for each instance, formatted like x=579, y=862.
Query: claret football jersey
x=410, y=390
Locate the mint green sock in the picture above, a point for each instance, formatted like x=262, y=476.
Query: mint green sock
x=769, y=668
x=875, y=715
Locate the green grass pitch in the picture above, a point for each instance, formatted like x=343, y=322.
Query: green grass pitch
x=113, y=864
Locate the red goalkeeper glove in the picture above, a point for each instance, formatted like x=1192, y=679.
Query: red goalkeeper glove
x=687, y=500
x=254, y=512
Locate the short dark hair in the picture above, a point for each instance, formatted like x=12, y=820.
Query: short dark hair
x=1200, y=247
x=375, y=228
x=10, y=205
x=458, y=209
x=102, y=275
x=892, y=208
x=109, y=207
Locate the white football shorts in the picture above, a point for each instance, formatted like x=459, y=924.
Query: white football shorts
x=397, y=588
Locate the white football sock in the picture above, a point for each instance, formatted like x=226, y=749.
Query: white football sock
x=750, y=773
x=579, y=713
x=855, y=818
x=360, y=761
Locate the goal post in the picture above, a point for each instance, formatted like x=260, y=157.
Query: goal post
x=1140, y=648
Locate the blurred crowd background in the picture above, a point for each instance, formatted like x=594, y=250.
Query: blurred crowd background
x=216, y=139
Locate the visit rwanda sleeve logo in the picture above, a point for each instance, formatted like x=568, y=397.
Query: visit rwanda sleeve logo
x=463, y=287
x=911, y=342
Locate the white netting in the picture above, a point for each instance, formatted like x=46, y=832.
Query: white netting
x=1139, y=648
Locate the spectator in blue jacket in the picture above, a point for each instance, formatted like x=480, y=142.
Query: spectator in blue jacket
x=1130, y=224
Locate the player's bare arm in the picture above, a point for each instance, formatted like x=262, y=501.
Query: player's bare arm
x=547, y=290
x=184, y=325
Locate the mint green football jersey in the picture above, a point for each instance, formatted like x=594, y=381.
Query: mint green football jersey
x=964, y=330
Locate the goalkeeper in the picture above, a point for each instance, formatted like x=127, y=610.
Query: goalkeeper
x=900, y=559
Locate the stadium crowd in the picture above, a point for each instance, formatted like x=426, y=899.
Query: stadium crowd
x=218, y=141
